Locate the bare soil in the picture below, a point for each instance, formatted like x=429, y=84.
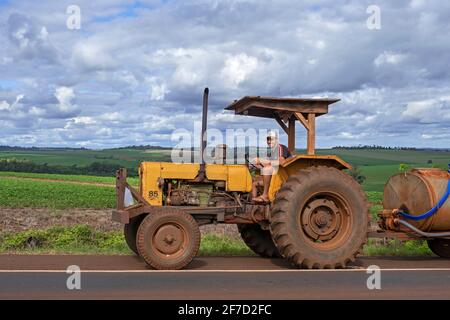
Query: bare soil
x=22, y=219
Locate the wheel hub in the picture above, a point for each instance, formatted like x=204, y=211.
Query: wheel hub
x=321, y=219
x=168, y=239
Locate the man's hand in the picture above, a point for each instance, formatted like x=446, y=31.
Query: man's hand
x=265, y=162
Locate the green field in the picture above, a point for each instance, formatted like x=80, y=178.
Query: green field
x=37, y=190
x=18, y=189
x=18, y=192
x=377, y=165
x=123, y=157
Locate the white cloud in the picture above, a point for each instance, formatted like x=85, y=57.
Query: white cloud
x=390, y=85
x=238, y=68
x=320, y=44
x=65, y=96
x=352, y=136
x=30, y=39
x=4, y=105
x=389, y=57
x=428, y=111
x=37, y=112
x=91, y=55
x=417, y=3
x=110, y=116
x=84, y=120
x=158, y=92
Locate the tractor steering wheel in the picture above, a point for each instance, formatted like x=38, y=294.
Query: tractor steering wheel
x=249, y=164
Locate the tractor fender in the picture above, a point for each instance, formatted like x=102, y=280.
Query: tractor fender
x=306, y=161
x=296, y=163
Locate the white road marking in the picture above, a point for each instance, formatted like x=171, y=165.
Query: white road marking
x=225, y=271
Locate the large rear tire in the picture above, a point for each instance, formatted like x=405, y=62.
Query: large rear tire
x=258, y=240
x=168, y=240
x=320, y=218
x=130, y=231
x=440, y=247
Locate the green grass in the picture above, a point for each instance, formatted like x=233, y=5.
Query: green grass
x=374, y=196
x=213, y=245
x=394, y=247
x=17, y=193
x=76, y=239
x=83, y=239
x=67, y=177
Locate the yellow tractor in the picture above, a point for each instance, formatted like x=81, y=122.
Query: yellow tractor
x=317, y=216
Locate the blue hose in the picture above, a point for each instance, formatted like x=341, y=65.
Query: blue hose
x=432, y=210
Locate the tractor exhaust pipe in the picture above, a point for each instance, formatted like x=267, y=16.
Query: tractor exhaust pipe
x=204, y=124
x=202, y=171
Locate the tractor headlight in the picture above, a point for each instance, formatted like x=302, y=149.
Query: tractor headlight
x=128, y=198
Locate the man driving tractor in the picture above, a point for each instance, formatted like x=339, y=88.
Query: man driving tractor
x=277, y=155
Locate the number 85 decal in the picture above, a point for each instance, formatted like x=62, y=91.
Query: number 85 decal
x=153, y=194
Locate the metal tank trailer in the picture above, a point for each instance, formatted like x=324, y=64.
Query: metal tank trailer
x=416, y=205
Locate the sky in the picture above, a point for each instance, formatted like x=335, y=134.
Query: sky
x=134, y=71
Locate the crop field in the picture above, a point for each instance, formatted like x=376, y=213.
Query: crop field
x=17, y=193
x=124, y=157
x=377, y=165
x=81, y=191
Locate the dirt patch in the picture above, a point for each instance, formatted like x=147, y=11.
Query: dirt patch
x=14, y=220
x=22, y=219
x=229, y=230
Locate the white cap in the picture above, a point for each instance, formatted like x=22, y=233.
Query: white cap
x=272, y=134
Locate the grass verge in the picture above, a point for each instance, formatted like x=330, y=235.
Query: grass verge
x=395, y=247
x=83, y=239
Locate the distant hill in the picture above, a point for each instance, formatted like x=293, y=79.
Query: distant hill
x=151, y=147
x=16, y=148
x=140, y=147
x=375, y=147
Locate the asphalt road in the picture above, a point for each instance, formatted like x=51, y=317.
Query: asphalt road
x=126, y=277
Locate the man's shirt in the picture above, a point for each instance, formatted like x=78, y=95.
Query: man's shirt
x=279, y=150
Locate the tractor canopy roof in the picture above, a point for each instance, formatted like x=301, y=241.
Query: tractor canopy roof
x=276, y=108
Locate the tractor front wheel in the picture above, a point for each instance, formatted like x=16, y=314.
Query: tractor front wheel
x=168, y=240
x=130, y=232
x=320, y=218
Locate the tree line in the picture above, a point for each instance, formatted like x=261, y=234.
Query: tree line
x=358, y=147
x=93, y=169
